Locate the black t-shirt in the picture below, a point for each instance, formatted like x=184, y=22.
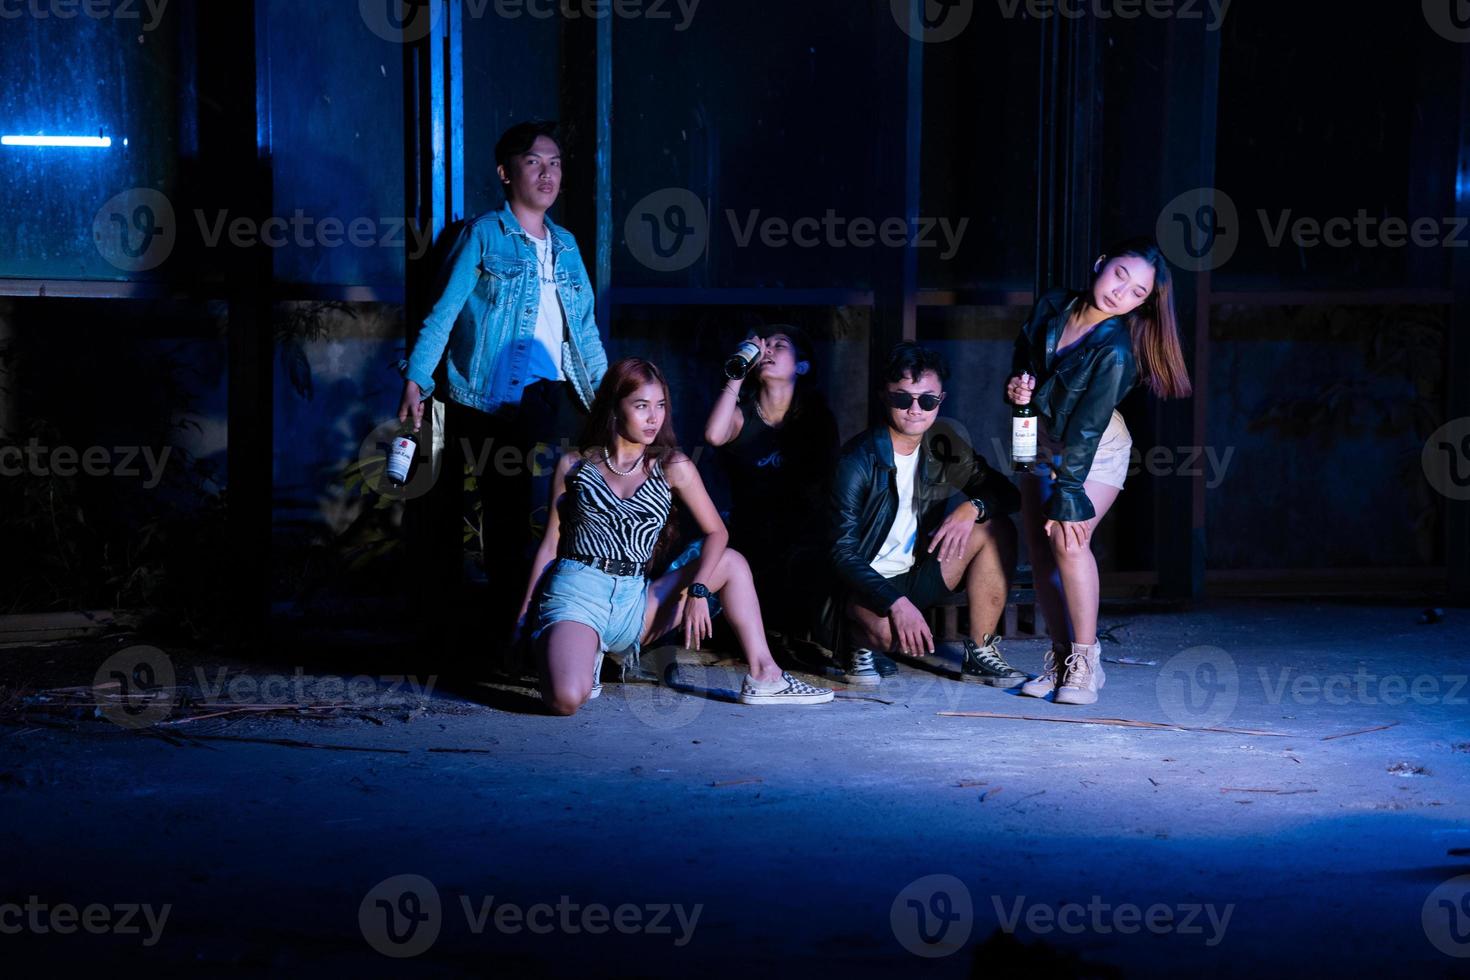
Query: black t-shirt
x=779, y=479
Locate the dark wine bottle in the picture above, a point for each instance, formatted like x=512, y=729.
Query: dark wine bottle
x=744, y=358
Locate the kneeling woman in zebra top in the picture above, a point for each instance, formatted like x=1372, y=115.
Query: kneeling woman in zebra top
x=611, y=503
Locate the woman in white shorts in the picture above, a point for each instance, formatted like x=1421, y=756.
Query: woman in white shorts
x=1077, y=356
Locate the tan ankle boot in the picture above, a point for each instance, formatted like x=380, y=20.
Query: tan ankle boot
x=1046, y=682
x=1084, y=675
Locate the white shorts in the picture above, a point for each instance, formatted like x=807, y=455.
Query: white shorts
x=1109, y=464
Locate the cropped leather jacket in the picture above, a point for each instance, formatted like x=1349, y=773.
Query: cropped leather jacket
x=1075, y=395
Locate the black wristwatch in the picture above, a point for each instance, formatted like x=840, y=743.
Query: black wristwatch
x=699, y=591
x=982, y=516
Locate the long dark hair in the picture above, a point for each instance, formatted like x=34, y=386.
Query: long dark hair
x=807, y=397
x=1153, y=327
x=622, y=379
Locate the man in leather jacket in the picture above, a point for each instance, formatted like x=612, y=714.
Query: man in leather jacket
x=917, y=517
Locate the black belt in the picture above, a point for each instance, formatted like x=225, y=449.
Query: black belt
x=612, y=566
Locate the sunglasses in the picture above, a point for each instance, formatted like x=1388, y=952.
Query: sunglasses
x=902, y=400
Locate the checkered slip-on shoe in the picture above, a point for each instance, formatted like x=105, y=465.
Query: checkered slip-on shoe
x=790, y=691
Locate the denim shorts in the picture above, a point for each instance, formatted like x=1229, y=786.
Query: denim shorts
x=613, y=605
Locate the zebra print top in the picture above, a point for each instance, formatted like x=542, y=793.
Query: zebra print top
x=598, y=523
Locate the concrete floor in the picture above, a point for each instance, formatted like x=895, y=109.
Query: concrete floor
x=790, y=841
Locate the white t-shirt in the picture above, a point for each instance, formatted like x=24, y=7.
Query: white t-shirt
x=896, y=556
x=545, y=360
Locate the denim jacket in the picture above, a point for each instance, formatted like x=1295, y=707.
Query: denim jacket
x=1075, y=397
x=486, y=317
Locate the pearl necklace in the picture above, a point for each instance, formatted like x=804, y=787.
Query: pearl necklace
x=607, y=458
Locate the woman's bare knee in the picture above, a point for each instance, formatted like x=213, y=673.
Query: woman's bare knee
x=567, y=699
x=733, y=565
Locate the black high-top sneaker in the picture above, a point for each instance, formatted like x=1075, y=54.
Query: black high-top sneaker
x=985, y=665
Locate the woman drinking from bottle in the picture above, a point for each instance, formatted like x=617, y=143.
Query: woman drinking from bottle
x=1076, y=357
x=777, y=441
x=589, y=593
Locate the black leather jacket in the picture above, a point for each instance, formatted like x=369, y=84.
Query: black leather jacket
x=1075, y=397
x=865, y=501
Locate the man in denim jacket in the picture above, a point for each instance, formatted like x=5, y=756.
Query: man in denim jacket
x=516, y=319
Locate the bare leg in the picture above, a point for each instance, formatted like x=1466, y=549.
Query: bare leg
x=986, y=566
x=569, y=652
x=732, y=582
x=1046, y=579
x=1078, y=568
x=873, y=631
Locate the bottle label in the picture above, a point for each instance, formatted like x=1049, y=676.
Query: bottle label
x=1023, y=439
x=400, y=458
